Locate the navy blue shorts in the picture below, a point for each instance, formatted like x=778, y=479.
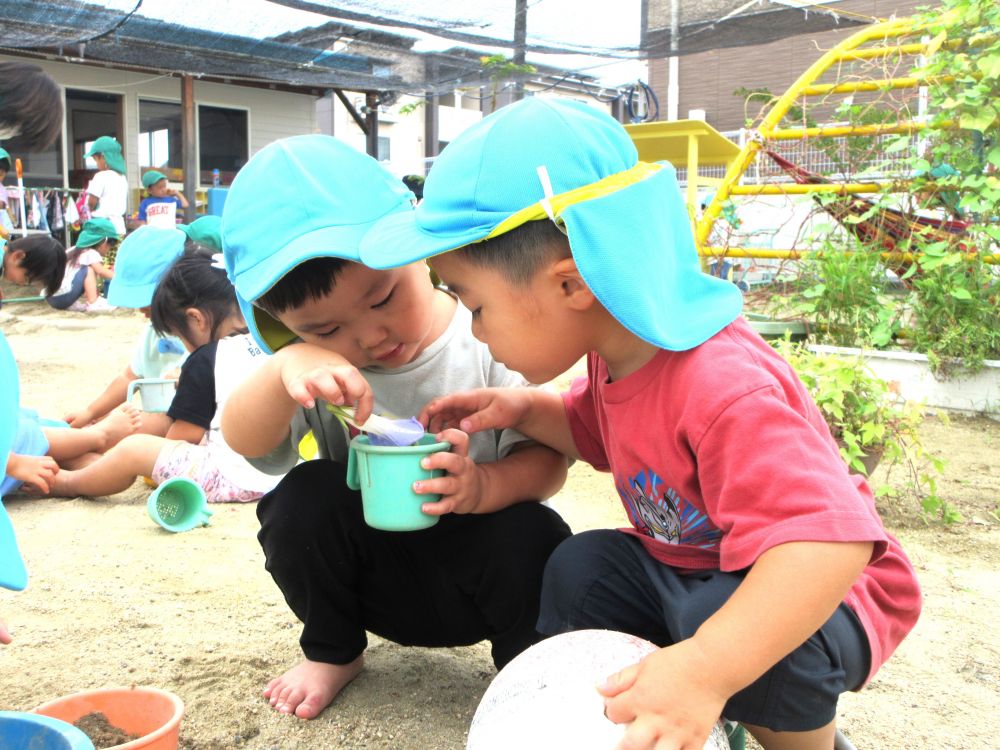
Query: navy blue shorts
x=64, y=300
x=606, y=579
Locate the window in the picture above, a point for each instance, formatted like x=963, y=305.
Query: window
x=160, y=136
x=223, y=139
x=384, y=149
x=41, y=168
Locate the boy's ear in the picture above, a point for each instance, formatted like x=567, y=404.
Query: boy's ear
x=572, y=286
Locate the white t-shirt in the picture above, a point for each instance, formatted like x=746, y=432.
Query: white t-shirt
x=111, y=190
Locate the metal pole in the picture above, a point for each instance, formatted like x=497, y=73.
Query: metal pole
x=431, y=121
x=371, y=123
x=189, y=148
x=520, y=38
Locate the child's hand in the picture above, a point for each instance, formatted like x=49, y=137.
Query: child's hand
x=462, y=487
x=34, y=471
x=672, y=698
x=308, y=373
x=474, y=411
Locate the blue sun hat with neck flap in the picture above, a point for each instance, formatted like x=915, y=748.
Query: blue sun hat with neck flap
x=143, y=257
x=13, y=574
x=628, y=227
x=323, y=195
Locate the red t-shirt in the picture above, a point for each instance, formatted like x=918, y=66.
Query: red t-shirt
x=719, y=453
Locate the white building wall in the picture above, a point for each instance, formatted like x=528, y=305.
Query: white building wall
x=271, y=114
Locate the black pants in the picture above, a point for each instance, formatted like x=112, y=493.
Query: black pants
x=466, y=579
x=606, y=579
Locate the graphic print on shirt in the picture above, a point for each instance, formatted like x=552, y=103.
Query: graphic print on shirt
x=658, y=511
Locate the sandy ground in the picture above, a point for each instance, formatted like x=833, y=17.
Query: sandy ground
x=114, y=600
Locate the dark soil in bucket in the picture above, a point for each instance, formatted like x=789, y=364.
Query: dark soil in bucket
x=102, y=732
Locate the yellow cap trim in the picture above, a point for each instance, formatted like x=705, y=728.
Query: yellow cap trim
x=559, y=203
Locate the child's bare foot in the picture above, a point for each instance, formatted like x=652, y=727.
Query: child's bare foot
x=310, y=686
x=120, y=422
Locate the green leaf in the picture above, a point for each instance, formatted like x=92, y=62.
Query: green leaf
x=961, y=294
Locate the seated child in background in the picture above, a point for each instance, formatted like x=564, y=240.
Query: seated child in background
x=143, y=258
x=754, y=558
x=40, y=452
x=84, y=266
x=37, y=259
x=159, y=208
x=344, y=334
x=194, y=301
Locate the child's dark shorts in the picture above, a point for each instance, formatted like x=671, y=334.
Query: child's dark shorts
x=606, y=579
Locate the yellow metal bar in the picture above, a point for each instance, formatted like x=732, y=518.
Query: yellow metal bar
x=759, y=252
x=789, y=134
x=914, y=48
x=692, y=176
x=878, y=85
x=793, y=188
x=881, y=31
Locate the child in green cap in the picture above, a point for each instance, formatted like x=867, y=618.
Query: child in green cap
x=159, y=208
x=84, y=266
x=107, y=193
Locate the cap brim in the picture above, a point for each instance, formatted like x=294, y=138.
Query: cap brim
x=327, y=242
x=13, y=574
x=398, y=239
x=268, y=331
x=131, y=296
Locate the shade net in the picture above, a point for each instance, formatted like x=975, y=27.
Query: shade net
x=398, y=45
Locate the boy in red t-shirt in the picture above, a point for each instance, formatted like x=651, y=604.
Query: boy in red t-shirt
x=754, y=558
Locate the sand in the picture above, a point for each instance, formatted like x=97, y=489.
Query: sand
x=115, y=600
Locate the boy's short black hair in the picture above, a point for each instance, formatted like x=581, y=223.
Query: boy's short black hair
x=44, y=260
x=30, y=104
x=313, y=279
x=5, y=164
x=519, y=254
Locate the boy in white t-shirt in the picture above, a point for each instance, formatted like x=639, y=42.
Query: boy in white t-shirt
x=107, y=193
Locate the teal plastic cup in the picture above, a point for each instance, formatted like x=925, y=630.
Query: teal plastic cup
x=156, y=394
x=385, y=475
x=178, y=504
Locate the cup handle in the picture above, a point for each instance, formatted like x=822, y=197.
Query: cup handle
x=352, y=469
x=131, y=391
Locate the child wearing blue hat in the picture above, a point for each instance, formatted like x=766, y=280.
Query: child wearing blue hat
x=571, y=247
x=13, y=574
x=143, y=258
x=389, y=341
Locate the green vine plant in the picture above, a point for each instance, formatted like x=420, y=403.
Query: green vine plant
x=873, y=426
x=847, y=301
x=500, y=69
